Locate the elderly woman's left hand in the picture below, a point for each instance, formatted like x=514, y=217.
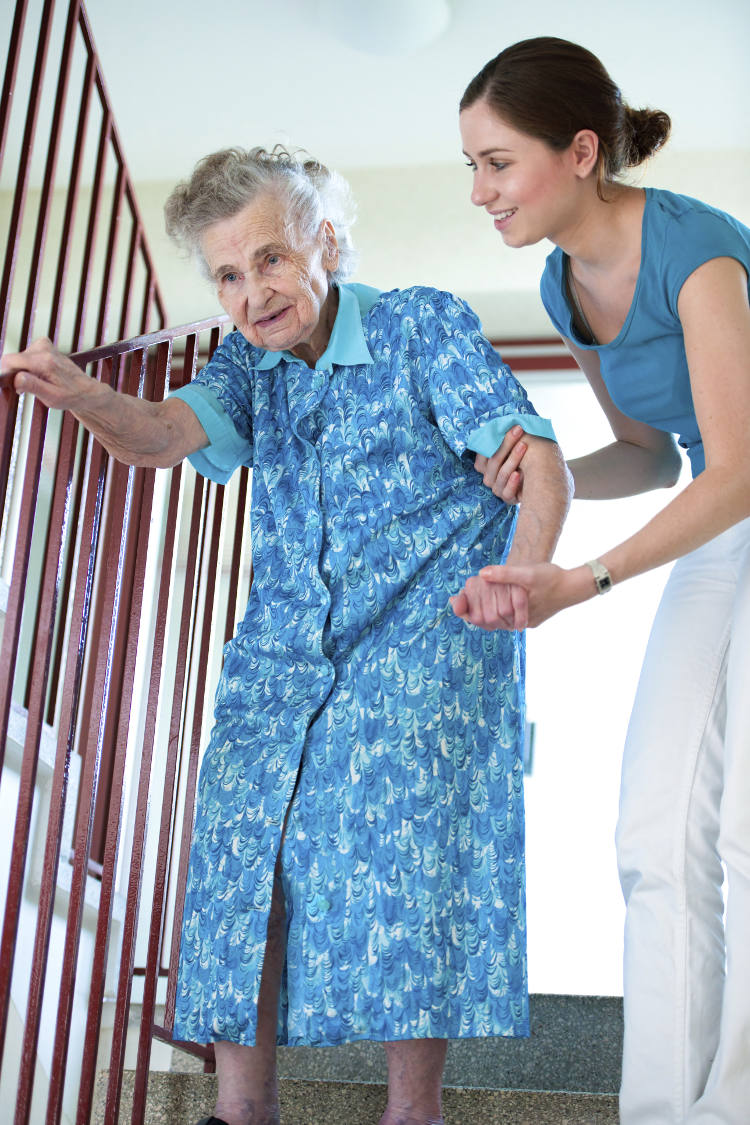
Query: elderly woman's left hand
x=492, y=606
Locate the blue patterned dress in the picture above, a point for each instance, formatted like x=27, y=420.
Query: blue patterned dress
x=353, y=702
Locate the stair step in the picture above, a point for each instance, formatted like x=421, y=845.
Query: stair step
x=575, y=1047
x=182, y=1099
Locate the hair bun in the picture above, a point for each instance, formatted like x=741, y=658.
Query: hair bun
x=649, y=129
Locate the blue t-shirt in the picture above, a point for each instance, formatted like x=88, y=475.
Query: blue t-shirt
x=645, y=367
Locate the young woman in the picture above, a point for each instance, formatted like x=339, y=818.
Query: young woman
x=650, y=291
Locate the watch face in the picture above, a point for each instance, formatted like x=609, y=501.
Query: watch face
x=602, y=577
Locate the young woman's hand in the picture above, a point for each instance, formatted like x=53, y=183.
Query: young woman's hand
x=502, y=472
x=548, y=588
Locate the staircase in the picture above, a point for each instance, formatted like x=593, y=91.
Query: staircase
x=567, y=1073
x=100, y=716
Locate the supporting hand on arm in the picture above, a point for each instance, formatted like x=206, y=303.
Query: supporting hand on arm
x=639, y=460
x=547, y=491
x=502, y=473
x=138, y=432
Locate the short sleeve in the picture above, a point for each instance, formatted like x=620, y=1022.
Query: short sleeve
x=221, y=398
x=696, y=236
x=475, y=397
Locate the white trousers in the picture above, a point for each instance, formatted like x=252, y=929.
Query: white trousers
x=684, y=821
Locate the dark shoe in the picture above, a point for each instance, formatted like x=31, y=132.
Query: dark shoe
x=211, y=1121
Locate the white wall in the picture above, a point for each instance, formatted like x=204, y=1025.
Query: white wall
x=418, y=226
x=581, y=676
x=415, y=226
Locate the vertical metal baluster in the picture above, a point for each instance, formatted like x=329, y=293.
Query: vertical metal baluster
x=24, y=168
x=209, y=561
x=50, y=585
x=132, y=583
x=48, y=183
x=178, y=704
x=133, y=897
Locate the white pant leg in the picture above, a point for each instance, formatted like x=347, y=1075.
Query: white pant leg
x=726, y=1100
x=668, y=848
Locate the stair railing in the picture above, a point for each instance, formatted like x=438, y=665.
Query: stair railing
x=95, y=562
x=160, y=571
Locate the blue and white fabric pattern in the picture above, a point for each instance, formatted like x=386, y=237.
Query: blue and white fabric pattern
x=363, y=732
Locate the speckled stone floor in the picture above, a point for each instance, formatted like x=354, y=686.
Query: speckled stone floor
x=575, y=1046
x=566, y=1073
x=182, y=1099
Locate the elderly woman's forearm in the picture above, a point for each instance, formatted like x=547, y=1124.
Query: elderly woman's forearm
x=547, y=494
x=138, y=432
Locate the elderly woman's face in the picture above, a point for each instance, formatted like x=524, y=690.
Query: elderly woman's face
x=275, y=288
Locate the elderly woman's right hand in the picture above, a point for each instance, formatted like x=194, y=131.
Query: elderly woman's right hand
x=134, y=430
x=501, y=472
x=45, y=372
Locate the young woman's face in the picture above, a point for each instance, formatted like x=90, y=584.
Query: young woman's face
x=531, y=191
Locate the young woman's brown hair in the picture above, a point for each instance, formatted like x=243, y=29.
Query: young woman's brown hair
x=551, y=89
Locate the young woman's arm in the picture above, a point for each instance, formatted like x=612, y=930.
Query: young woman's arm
x=150, y=434
x=715, y=315
x=641, y=458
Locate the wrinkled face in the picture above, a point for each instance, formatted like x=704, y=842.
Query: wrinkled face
x=530, y=190
x=272, y=284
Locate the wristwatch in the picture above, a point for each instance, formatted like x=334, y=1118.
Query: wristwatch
x=602, y=577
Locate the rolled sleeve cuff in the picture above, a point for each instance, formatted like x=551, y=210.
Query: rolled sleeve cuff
x=487, y=438
x=226, y=449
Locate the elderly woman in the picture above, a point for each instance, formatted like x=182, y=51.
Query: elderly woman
x=357, y=864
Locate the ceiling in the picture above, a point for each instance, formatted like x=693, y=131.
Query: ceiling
x=190, y=77
x=187, y=78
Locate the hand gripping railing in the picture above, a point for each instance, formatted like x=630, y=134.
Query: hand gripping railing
x=114, y=622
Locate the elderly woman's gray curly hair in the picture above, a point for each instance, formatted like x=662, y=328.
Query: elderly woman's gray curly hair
x=225, y=182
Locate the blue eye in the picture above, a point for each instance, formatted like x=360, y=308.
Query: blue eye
x=230, y=277
x=273, y=259
x=498, y=165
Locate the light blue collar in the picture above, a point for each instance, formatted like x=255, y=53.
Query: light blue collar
x=347, y=346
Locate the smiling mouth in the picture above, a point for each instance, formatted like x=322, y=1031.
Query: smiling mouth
x=503, y=216
x=265, y=321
